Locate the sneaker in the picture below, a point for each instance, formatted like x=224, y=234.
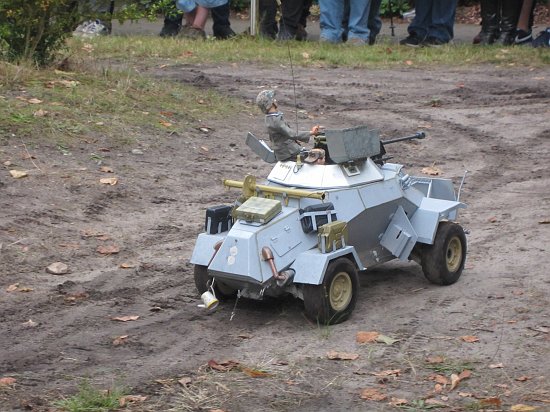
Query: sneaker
x=412, y=41
x=431, y=41
x=543, y=40
x=192, y=32
x=91, y=28
x=523, y=37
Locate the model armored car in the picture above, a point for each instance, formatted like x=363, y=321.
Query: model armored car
x=309, y=229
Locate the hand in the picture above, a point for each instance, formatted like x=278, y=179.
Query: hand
x=315, y=130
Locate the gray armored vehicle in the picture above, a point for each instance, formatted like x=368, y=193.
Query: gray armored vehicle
x=308, y=229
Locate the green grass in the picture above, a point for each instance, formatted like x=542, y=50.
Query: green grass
x=449, y=366
x=246, y=49
x=90, y=399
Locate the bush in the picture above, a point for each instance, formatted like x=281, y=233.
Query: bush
x=35, y=29
x=398, y=7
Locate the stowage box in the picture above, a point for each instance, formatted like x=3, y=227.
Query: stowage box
x=332, y=236
x=258, y=210
x=218, y=219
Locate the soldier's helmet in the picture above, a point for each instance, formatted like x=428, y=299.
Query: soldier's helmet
x=265, y=100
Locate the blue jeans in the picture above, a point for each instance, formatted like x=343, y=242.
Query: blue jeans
x=332, y=13
x=434, y=18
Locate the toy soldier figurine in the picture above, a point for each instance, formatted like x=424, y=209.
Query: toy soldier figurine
x=283, y=139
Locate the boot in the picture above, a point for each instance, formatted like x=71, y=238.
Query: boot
x=490, y=17
x=508, y=21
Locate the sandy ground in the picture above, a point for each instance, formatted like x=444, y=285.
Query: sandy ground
x=58, y=329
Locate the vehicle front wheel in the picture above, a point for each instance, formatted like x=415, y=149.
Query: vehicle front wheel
x=442, y=262
x=333, y=301
x=202, y=280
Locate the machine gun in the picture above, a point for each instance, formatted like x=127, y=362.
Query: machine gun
x=380, y=158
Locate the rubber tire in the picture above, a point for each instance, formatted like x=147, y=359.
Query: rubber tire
x=435, y=257
x=317, y=302
x=202, y=279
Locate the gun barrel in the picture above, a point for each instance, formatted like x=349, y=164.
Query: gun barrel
x=418, y=135
x=295, y=193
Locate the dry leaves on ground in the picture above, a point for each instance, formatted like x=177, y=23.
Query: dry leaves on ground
x=18, y=174
x=334, y=355
x=109, y=181
x=125, y=318
x=120, y=340
x=469, y=338
x=7, y=381
x=108, y=249
x=432, y=170
x=372, y=336
x=373, y=394
x=456, y=379
x=129, y=399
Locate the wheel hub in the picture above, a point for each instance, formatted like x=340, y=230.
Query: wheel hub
x=340, y=292
x=454, y=254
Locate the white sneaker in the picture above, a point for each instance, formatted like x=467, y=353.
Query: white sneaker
x=91, y=28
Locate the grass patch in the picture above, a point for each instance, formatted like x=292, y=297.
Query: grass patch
x=90, y=399
x=450, y=366
x=242, y=49
x=112, y=106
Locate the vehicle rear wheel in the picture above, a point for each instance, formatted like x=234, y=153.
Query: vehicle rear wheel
x=442, y=262
x=202, y=280
x=333, y=301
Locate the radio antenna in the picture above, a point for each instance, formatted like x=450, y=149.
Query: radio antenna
x=293, y=85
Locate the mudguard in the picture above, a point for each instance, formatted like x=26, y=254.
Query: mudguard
x=204, y=248
x=310, y=266
x=432, y=211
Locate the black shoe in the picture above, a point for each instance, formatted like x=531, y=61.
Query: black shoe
x=170, y=29
x=224, y=33
x=523, y=37
x=543, y=40
x=431, y=41
x=412, y=41
x=372, y=40
x=506, y=38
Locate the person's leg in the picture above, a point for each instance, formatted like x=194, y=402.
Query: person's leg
x=345, y=21
x=332, y=12
x=490, y=21
x=301, y=33
x=509, y=21
x=291, y=11
x=418, y=28
x=523, y=32
x=441, y=29
x=200, y=16
x=221, y=26
x=172, y=25
x=358, y=21
x=268, y=18
x=375, y=22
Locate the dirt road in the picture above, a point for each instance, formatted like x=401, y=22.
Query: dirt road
x=127, y=247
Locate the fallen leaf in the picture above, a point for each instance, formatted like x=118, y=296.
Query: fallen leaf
x=12, y=288
x=40, y=113
x=523, y=378
x=373, y=394
x=244, y=336
x=127, y=265
x=388, y=372
x=431, y=170
x=333, y=355
x=522, y=408
x=58, y=268
x=30, y=323
x=443, y=380
x=408, y=62
x=544, y=222
x=456, y=379
x=125, y=318
x=34, y=101
x=125, y=400
x=108, y=249
x=7, y=381
x=254, y=372
x=305, y=55
x=435, y=359
x=366, y=337
x=438, y=388
x=492, y=219
x=465, y=394
x=24, y=289
x=386, y=339
x=120, y=340
x=434, y=402
x=223, y=366
x=204, y=129
x=109, y=181
x=185, y=381
x=469, y=338
x=496, y=366
x=204, y=149
x=398, y=402
x=18, y=174
x=165, y=123
x=494, y=401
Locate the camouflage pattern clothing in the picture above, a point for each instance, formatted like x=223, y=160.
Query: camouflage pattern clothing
x=283, y=138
